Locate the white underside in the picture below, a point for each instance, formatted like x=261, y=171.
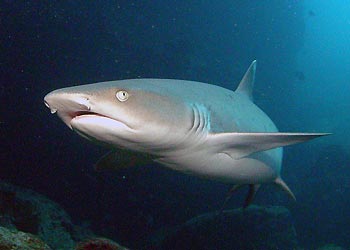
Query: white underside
x=222, y=167
x=99, y=128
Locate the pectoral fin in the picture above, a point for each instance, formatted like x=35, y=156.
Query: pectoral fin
x=229, y=195
x=253, y=189
x=240, y=145
x=120, y=159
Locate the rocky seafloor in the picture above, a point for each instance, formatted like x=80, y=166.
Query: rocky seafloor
x=29, y=220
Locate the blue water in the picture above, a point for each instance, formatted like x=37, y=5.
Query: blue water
x=303, y=84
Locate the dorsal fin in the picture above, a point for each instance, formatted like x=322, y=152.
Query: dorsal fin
x=247, y=83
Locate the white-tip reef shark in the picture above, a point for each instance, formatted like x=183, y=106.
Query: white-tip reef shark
x=193, y=127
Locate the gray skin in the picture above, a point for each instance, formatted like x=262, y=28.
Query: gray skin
x=192, y=127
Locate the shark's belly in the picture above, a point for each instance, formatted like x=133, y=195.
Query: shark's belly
x=258, y=168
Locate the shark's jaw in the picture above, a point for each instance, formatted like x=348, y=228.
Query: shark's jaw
x=78, y=113
x=100, y=128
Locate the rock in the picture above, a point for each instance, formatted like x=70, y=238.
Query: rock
x=15, y=240
x=30, y=212
x=263, y=228
x=99, y=244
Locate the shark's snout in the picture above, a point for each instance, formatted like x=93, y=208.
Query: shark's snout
x=67, y=105
x=47, y=103
x=67, y=102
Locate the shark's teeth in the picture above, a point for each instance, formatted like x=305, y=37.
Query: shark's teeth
x=53, y=111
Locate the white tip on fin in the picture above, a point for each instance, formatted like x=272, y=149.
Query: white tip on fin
x=247, y=83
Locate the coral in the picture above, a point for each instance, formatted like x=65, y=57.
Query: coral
x=30, y=212
x=18, y=213
x=15, y=240
x=99, y=244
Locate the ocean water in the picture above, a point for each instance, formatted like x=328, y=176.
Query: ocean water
x=302, y=83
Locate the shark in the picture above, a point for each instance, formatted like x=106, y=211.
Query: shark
x=193, y=127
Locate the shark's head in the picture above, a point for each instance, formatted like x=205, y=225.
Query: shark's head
x=123, y=113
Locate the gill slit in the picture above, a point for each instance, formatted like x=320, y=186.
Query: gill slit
x=195, y=136
x=201, y=120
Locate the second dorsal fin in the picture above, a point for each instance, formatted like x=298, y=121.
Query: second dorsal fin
x=247, y=83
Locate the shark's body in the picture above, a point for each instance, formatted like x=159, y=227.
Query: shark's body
x=192, y=127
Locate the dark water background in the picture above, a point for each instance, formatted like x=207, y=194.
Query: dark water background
x=303, y=84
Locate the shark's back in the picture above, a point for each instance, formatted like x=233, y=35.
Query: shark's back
x=229, y=111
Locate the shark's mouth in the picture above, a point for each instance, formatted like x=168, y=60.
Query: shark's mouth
x=99, y=128
x=83, y=113
x=71, y=116
x=86, y=120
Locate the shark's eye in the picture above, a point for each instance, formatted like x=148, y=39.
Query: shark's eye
x=122, y=95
